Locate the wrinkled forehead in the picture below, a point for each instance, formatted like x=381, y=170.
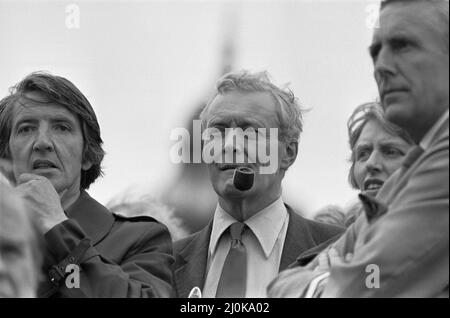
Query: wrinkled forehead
x=35, y=105
x=411, y=17
x=238, y=105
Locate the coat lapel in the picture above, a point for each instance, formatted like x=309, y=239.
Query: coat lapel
x=306, y=257
x=194, y=256
x=95, y=220
x=298, y=239
x=400, y=178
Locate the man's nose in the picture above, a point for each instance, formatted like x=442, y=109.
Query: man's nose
x=384, y=65
x=43, y=141
x=231, y=143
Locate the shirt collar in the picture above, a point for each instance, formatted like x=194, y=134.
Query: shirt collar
x=222, y=220
x=266, y=225
x=431, y=134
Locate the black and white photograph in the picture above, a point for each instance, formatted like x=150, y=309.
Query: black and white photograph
x=236, y=150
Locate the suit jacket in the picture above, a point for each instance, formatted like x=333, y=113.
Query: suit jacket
x=400, y=245
x=191, y=253
x=118, y=256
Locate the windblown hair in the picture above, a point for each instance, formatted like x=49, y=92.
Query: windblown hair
x=290, y=113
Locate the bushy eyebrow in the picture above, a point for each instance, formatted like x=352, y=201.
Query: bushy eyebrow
x=392, y=144
x=240, y=122
x=33, y=120
x=362, y=147
x=392, y=40
x=62, y=120
x=25, y=120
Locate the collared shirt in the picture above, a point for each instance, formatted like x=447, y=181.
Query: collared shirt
x=430, y=135
x=264, y=241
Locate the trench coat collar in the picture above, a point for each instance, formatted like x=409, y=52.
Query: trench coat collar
x=95, y=220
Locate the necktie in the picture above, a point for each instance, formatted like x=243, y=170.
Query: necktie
x=233, y=281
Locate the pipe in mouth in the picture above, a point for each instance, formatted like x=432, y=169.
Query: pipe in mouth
x=243, y=178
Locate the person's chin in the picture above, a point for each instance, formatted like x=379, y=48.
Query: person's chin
x=49, y=173
x=57, y=182
x=398, y=112
x=229, y=191
x=371, y=193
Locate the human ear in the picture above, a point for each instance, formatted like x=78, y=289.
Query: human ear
x=290, y=151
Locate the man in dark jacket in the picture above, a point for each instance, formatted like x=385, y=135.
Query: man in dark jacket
x=50, y=134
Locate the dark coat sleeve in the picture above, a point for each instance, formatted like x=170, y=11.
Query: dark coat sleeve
x=144, y=269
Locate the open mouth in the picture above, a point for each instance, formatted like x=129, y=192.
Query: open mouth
x=43, y=164
x=373, y=184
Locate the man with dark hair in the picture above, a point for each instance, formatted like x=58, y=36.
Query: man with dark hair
x=400, y=246
x=50, y=134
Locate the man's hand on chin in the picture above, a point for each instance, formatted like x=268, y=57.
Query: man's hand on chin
x=42, y=199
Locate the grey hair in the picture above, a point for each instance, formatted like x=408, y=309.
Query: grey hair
x=290, y=114
x=442, y=9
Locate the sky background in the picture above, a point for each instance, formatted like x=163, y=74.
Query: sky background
x=145, y=65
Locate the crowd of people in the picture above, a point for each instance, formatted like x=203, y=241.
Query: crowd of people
x=58, y=241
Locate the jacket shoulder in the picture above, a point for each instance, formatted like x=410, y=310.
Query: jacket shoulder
x=144, y=227
x=134, y=219
x=179, y=245
x=322, y=231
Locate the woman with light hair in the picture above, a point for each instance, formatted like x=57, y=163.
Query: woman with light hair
x=378, y=150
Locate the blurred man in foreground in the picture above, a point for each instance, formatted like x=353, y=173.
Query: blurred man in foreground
x=400, y=246
x=20, y=248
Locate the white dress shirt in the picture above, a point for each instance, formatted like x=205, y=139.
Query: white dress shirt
x=264, y=241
